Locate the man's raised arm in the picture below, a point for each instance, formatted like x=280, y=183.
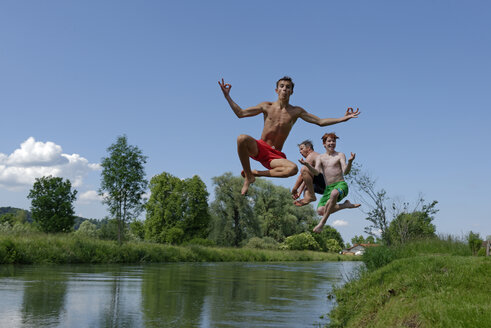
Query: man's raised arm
x=311, y=118
x=251, y=111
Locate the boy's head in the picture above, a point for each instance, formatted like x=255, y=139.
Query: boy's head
x=329, y=140
x=285, y=79
x=305, y=147
x=285, y=82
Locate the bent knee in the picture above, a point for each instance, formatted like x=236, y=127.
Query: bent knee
x=320, y=210
x=244, y=138
x=304, y=170
x=291, y=170
x=334, y=194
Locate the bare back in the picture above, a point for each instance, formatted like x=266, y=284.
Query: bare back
x=278, y=122
x=332, y=166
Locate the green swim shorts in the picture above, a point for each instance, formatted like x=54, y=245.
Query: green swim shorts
x=341, y=186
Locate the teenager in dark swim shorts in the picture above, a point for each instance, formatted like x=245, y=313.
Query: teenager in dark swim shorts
x=319, y=184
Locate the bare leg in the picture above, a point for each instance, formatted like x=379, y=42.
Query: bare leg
x=309, y=195
x=337, y=207
x=280, y=168
x=295, y=192
x=246, y=147
x=326, y=212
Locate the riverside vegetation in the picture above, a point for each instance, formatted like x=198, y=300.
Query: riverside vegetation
x=426, y=283
x=41, y=248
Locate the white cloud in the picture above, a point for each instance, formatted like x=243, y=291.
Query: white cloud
x=339, y=223
x=89, y=196
x=35, y=159
x=36, y=153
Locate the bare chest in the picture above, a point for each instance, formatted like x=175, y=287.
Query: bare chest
x=330, y=162
x=281, y=117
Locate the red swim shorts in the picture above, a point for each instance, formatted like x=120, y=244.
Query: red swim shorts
x=266, y=154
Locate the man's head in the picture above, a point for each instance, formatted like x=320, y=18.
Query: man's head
x=305, y=147
x=329, y=141
x=284, y=87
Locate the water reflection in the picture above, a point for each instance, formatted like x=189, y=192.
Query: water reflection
x=170, y=294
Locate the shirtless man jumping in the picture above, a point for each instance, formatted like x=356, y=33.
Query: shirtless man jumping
x=306, y=182
x=279, y=118
x=334, y=167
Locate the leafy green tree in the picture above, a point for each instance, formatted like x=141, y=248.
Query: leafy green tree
x=196, y=214
x=267, y=211
x=327, y=234
x=177, y=210
x=88, y=229
x=278, y=216
x=332, y=245
x=52, y=204
x=409, y=226
x=137, y=228
x=233, y=219
x=358, y=240
x=123, y=182
x=302, y=241
x=475, y=242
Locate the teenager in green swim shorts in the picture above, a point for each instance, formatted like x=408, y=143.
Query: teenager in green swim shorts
x=340, y=186
x=334, y=166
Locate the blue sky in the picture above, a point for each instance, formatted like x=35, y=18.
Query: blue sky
x=74, y=75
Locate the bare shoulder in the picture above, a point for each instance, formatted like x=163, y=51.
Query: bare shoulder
x=297, y=110
x=312, y=157
x=265, y=105
x=341, y=156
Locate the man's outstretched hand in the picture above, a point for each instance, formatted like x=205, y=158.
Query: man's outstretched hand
x=350, y=113
x=225, y=87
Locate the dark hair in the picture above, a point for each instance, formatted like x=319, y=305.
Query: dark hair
x=307, y=143
x=285, y=78
x=329, y=135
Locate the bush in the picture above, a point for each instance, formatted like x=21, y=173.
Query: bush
x=302, y=241
x=87, y=229
x=481, y=252
x=17, y=228
x=174, y=235
x=332, y=245
x=262, y=243
x=137, y=229
x=201, y=242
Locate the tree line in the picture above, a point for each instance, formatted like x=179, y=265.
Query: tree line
x=177, y=210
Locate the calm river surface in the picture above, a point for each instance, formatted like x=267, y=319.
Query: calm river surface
x=282, y=294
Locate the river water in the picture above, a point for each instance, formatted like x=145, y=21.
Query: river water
x=286, y=294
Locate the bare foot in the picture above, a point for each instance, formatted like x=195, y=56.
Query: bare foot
x=303, y=202
x=318, y=228
x=247, y=183
x=295, y=195
x=348, y=204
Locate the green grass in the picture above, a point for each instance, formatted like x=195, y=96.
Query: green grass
x=426, y=284
x=377, y=257
x=69, y=248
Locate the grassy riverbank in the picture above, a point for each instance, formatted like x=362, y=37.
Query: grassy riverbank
x=425, y=284
x=61, y=249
